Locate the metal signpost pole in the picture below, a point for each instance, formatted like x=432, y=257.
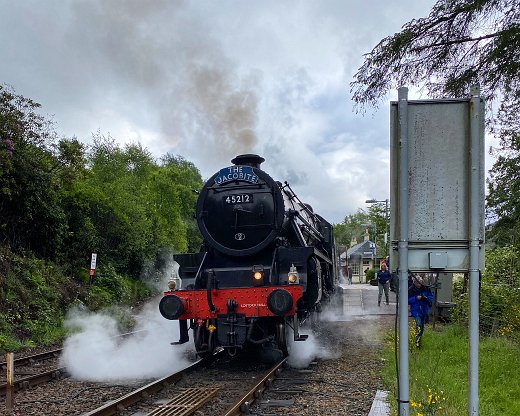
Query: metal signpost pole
x=404, y=380
x=93, y=260
x=438, y=207
x=474, y=274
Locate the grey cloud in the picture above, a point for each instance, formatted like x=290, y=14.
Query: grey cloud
x=209, y=80
x=174, y=68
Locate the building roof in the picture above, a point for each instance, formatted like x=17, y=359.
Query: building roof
x=366, y=249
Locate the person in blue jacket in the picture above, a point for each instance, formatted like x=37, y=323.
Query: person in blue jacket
x=420, y=300
x=383, y=282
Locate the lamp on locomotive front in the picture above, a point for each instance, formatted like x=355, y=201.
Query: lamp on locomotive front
x=174, y=282
x=292, y=276
x=258, y=275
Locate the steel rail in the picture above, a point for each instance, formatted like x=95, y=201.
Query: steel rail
x=115, y=406
x=32, y=358
x=243, y=405
x=135, y=396
x=34, y=380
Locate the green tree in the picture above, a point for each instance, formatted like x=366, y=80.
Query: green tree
x=71, y=154
x=503, y=266
x=504, y=189
x=377, y=217
x=63, y=200
x=92, y=227
x=126, y=224
x=352, y=226
x=146, y=207
x=185, y=177
x=355, y=225
x=31, y=217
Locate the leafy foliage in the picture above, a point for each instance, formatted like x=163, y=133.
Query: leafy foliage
x=499, y=295
x=150, y=206
x=61, y=200
x=503, y=266
x=504, y=193
x=31, y=217
x=461, y=42
x=33, y=295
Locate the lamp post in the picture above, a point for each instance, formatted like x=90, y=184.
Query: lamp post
x=387, y=236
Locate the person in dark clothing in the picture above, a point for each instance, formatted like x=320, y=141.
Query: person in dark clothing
x=394, y=283
x=383, y=282
x=420, y=300
x=349, y=275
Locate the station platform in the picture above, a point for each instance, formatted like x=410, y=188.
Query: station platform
x=361, y=299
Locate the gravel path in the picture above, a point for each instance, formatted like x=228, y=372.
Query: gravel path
x=343, y=381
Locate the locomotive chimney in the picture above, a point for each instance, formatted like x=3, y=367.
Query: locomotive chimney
x=248, y=160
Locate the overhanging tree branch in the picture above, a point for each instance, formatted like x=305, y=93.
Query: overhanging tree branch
x=456, y=41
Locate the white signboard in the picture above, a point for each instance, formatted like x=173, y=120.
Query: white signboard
x=438, y=182
x=93, y=261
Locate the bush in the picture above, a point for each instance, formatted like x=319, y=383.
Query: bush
x=114, y=288
x=97, y=298
x=370, y=274
x=107, y=279
x=499, y=295
x=8, y=343
x=499, y=311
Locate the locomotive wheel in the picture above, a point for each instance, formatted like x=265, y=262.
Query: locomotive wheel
x=283, y=337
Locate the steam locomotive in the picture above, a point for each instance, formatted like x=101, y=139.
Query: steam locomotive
x=267, y=264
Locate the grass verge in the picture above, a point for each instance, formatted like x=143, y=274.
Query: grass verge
x=439, y=374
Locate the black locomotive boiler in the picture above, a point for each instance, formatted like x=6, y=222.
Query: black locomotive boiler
x=267, y=264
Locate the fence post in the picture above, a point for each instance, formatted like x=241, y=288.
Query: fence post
x=9, y=392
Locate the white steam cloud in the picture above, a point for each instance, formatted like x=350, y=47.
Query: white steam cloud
x=302, y=353
x=156, y=274
x=97, y=353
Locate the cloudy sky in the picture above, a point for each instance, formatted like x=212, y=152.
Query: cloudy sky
x=212, y=79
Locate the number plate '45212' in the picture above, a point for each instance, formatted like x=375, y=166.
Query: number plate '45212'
x=239, y=199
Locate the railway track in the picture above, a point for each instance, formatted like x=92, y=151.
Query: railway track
x=32, y=370
x=35, y=380
x=225, y=386
x=35, y=369
x=117, y=405
x=31, y=359
x=343, y=383
x=185, y=401
x=243, y=405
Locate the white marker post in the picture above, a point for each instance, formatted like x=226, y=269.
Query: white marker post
x=93, y=260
